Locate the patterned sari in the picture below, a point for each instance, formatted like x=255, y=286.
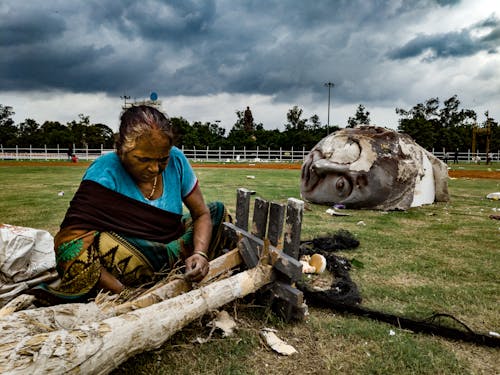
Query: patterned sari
x=130, y=239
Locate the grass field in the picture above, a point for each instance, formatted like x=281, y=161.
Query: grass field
x=438, y=258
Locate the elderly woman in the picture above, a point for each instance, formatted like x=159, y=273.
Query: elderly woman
x=125, y=222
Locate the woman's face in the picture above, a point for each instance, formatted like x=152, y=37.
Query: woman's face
x=149, y=157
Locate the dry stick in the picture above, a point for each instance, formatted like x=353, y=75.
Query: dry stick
x=99, y=347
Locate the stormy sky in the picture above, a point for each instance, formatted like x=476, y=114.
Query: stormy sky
x=206, y=59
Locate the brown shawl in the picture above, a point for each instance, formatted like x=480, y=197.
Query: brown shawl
x=96, y=208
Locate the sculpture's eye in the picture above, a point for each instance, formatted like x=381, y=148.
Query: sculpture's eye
x=340, y=184
x=343, y=186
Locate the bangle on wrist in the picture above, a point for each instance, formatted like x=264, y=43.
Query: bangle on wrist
x=201, y=253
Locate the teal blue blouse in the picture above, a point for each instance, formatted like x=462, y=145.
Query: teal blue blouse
x=179, y=180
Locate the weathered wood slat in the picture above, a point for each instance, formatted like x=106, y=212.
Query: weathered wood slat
x=294, y=215
x=283, y=263
x=248, y=253
x=275, y=228
x=242, y=208
x=260, y=215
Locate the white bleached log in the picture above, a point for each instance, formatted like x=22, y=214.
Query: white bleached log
x=101, y=346
x=15, y=323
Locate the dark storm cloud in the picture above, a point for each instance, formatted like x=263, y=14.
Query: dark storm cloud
x=198, y=47
x=30, y=29
x=453, y=44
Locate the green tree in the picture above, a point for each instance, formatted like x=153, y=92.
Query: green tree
x=295, y=121
x=78, y=130
x=434, y=128
x=202, y=135
x=182, y=130
x=362, y=117
x=56, y=134
x=420, y=122
x=454, y=125
x=30, y=134
x=8, y=131
x=99, y=134
x=315, y=124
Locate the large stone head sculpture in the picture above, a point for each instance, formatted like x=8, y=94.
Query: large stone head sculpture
x=374, y=168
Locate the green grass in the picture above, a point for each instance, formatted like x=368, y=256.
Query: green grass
x=438, y=258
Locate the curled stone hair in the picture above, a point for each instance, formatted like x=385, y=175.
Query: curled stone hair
x=137, y=121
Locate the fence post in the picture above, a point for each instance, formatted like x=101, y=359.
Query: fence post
x=87, y=151
x=194, y=149
x=234, y=157
x=268, y=154
x=102, y=148
x=17, y=152
x=207, y=154
x=220, y=157
x=31, y=151
x=303, y=153
x=244, y=152
x=281, y=155
x=292, y=154
x=46, y=156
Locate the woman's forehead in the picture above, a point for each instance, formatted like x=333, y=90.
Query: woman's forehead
x=153, y=143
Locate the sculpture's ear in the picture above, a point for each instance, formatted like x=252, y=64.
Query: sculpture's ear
x=440, y=171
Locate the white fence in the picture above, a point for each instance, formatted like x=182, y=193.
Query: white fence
x=205, y=155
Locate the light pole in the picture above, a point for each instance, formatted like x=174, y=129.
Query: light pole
x=329, y=85
x=124, y=97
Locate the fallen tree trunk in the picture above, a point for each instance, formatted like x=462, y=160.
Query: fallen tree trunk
x=99, y=347
x=14, y=323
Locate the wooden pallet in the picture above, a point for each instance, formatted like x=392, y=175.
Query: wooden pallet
x=275, y=238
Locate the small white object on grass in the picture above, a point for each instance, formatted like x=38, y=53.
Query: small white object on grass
x=276, y=344
x=224, y=322
x=333, y=212
x=494, y=196
x=61, y=193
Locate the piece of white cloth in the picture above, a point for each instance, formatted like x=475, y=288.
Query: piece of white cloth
x=24, y=253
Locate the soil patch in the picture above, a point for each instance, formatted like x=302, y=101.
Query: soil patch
x=456, y=173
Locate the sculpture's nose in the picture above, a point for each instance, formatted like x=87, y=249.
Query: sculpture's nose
x=323, y=166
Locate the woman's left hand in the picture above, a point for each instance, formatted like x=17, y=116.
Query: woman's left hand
x=196, y=267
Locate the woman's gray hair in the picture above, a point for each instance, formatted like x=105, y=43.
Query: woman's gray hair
x=139, y=120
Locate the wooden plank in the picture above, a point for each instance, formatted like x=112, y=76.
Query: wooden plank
x=260, y=213
x=242, y=207
x=288, y=293
x=249, y=254
x=283, y=263
x=293, y=226
x=276, y=215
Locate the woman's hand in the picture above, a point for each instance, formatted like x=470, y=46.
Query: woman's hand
x=196, y=267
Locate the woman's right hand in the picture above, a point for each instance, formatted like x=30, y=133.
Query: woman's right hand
x=196, y=267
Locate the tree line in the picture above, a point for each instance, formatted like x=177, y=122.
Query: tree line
x=431, y=124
